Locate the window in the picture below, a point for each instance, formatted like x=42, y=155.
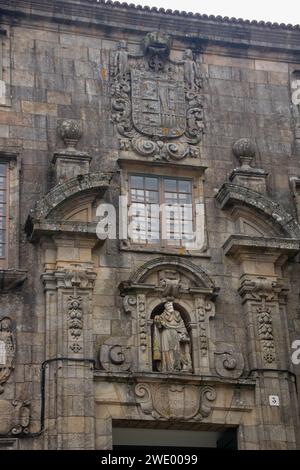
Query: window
x=3, y=211
x=5, y=72
x=161, y=210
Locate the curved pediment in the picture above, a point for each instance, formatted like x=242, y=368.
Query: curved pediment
x=257, y=213
x=68, y=206
x=171, y=277
x=62, y=193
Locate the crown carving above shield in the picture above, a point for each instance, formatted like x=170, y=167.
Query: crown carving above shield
x=157, y=44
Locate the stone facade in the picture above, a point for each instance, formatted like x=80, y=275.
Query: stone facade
x=80, y=85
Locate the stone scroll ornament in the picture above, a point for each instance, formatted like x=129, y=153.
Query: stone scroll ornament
x=7, y=351
x=115, y=355
x=157, y=102
x=14, y=417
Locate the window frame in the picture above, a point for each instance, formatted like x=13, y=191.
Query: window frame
x=4, y=259
x=13, y=168
x=163, y=243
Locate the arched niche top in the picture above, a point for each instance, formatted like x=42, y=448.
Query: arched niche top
x=179, y=264
x=65, y=192
x=170, y=277
x=231, y=195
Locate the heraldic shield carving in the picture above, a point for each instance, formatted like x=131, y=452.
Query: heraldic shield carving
x=156, y=102
x=175, y=401
x=158, y=105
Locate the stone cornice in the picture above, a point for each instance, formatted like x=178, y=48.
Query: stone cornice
x=154, y=377
x=236, y=245
x=195, y=28
x=108, y=4
x=37, y=229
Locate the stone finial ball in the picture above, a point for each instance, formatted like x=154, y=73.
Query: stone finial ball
x=70, y=131
x=244, y=148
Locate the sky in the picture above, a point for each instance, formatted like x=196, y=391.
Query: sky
x=287, y=11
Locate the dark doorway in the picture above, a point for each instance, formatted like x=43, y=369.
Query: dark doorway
x=130, y=438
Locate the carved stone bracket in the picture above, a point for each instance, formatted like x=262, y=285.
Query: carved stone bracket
x=175, y=402
x=7, y=351
x=129, y=302
x=15, y=417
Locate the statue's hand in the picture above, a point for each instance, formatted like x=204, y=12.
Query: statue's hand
x=183, y=338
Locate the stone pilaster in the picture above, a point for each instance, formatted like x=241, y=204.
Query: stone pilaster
x=263, y=295
x=69, y=413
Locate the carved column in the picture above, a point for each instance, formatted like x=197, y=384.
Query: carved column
x=69, y=413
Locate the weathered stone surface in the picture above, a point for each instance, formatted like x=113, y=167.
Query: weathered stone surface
x=238, y=298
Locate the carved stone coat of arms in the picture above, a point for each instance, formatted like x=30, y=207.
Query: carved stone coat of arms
x=156, y=102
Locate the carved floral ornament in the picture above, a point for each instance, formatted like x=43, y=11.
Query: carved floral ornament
x=156, y=115
x=263, y=290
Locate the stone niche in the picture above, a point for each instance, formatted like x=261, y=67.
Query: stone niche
x=170, y=302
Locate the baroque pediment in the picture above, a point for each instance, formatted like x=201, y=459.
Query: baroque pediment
x=156, y=101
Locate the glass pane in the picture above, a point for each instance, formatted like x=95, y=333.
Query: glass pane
x=137, y=210
x=152, y=197
x=151, y=183
x=171, y=198
x=187, y=212
x=2, y=196
x=185, y=186
x=2, y=169
x=185, y=198
x=2, y=182
x=2, y=251
x=187, y=227
x=137, y=195
x=2, y=210
x=2, y=236
x=170, y=185
x=2, y=222
x=137, y=182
